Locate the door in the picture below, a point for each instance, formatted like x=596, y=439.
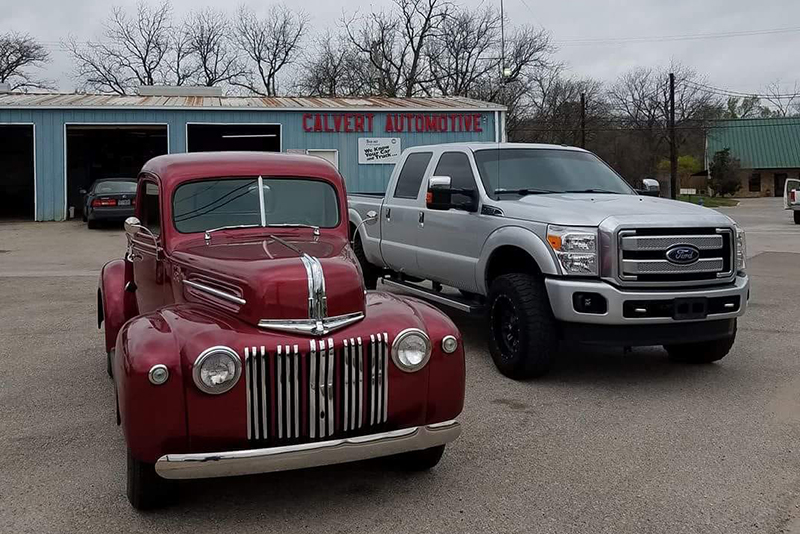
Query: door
x=791, y=185
x=450, y=241
x=780, y=183
x=400, y=214
x=146, y=251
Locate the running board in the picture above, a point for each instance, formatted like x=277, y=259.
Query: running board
x=414, y=290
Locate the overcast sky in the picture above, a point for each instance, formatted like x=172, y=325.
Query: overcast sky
x=740, y=63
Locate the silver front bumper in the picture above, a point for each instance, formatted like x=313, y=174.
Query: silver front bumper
x=560, y=292
x=336, y=451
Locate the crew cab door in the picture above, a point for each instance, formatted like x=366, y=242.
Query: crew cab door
x=450, y=241
x=791, y=185
x=146, y=251
x=400, y=214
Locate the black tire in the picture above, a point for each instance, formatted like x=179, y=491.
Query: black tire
x=523, y=334
x=796, y=216
x=109, y=365
x=147, y=490
x=422, y=460
x=701, y=352
x=370, y=272
x=91, y=224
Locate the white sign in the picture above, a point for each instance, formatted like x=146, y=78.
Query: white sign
x=378, y=150
x=688, y=191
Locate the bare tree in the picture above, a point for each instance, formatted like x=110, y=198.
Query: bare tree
x=394, y=43
x=334, y=67
x=18, y=52
x=209, y=39
x=270, y=43
x=133, y=50
x=783, y=102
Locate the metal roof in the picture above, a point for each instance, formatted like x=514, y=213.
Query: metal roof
x=103, y=101
x=758, y=143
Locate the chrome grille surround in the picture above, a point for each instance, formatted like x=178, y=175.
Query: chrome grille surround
x=326, y=384
x=716, y=265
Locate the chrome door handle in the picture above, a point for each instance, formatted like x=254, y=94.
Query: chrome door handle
x=388, y=214
x=422, y=219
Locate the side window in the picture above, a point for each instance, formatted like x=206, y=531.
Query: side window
x=151, y=216
x=456, y=166
x=410, y=179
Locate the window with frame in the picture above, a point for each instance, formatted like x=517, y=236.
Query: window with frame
x=754, y=184
x=150, y=214
x=410, y=179
x=456, y=166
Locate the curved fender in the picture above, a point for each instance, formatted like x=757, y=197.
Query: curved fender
x=372, y=243
x=520, y=237
x=153, y=417
x=116, y=305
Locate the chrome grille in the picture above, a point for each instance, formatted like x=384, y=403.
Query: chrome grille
x=319, y=393
x=642, y=255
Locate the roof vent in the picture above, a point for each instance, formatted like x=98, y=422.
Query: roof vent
x=182, y=90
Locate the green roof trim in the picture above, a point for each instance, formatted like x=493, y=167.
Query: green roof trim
x=758, y=143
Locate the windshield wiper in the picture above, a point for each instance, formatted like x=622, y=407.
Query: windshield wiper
x=295, y=225
x=230, y=227
x=593, y=190
x=524, y=191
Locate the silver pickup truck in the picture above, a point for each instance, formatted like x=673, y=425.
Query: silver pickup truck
x=791, y=198
x=551, y=244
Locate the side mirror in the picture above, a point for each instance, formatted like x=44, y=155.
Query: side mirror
x=650, y=187
x=132, y=226
x=440, y=194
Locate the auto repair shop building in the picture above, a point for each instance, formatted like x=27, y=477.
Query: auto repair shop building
x=54, y=145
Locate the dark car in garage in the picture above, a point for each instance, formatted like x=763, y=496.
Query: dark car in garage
x=109, y=199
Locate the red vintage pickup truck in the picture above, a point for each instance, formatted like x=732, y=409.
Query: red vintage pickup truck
x=241, y=338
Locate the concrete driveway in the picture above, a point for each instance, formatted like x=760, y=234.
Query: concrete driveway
x=609, y=442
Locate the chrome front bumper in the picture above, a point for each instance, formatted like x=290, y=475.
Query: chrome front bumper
x=336, y=451
x=560, y=292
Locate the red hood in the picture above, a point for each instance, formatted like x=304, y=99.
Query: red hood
x=271, y=276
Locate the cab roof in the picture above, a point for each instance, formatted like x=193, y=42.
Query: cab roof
x=174, y=169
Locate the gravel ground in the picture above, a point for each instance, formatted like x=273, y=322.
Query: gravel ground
x=608, y=442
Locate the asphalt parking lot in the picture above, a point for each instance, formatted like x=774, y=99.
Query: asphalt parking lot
x=609, y=442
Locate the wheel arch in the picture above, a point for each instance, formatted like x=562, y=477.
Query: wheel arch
x=513, y=250
x=114, y=304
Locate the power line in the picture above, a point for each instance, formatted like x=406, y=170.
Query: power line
x=730, y=92
x=670, y=38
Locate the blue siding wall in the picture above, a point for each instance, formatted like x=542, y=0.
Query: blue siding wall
x=50, y=140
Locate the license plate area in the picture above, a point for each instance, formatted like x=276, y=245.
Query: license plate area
x=124, y=202
x=690, y=308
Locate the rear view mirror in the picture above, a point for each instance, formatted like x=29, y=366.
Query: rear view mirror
x=132, y=226
x=440, y=194
x=650, y=188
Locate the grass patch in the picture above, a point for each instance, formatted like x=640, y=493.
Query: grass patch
x=709, y=202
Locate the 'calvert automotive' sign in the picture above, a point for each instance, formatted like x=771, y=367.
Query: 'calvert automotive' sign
x=394, y=123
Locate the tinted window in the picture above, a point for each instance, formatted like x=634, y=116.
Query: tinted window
x=151, y=216
x=115, y=186
x=214, y=203
x=410, y=179
x=456, y=166
x=545, y=170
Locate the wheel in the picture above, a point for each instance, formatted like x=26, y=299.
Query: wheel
x=796, y=216
x=420, y=460
x=91, y=224
x=109, y=364
x=370, y=272
x=703, y=351
x=523, y=334
x=147, y=490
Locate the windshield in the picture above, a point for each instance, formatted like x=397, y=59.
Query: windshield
x=209, y=204
x=115, y=186
x=511, y=172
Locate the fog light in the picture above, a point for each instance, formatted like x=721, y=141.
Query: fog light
x=449, y=344
x=589, y=303
x=158, y=374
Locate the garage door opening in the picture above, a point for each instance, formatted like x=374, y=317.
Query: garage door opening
x=17, y=189
x=213, y=137
x=118, y=151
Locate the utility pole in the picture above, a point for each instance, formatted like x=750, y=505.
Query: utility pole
x=673, y=148
x=502, y=45
x=583, y=120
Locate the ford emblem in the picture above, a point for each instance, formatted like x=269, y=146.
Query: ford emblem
x=683, y=254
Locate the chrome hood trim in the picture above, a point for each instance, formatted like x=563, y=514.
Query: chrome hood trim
x=311, y=326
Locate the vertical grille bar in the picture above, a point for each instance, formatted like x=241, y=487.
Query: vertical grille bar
x=321, y=390
x=385, y=377
x=248, y=379
x=264, y=373
x=360, y=384
x=372, y=379
x=330, y=415
x=351, y=377
x=379, y=381
x=296, y=385
x=313, y=416
x=346, y=375
x=279, y=382
x=287, y=385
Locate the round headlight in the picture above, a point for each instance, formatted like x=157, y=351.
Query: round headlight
x=217, y=370
x=449, y=344
x=411, y=350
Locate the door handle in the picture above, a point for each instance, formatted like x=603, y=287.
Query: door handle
x=388, y=214
x=421, y=219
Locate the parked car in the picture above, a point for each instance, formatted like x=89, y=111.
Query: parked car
x=551, y=244
x=791, y=198
x=241, y=338
x=109, y=200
